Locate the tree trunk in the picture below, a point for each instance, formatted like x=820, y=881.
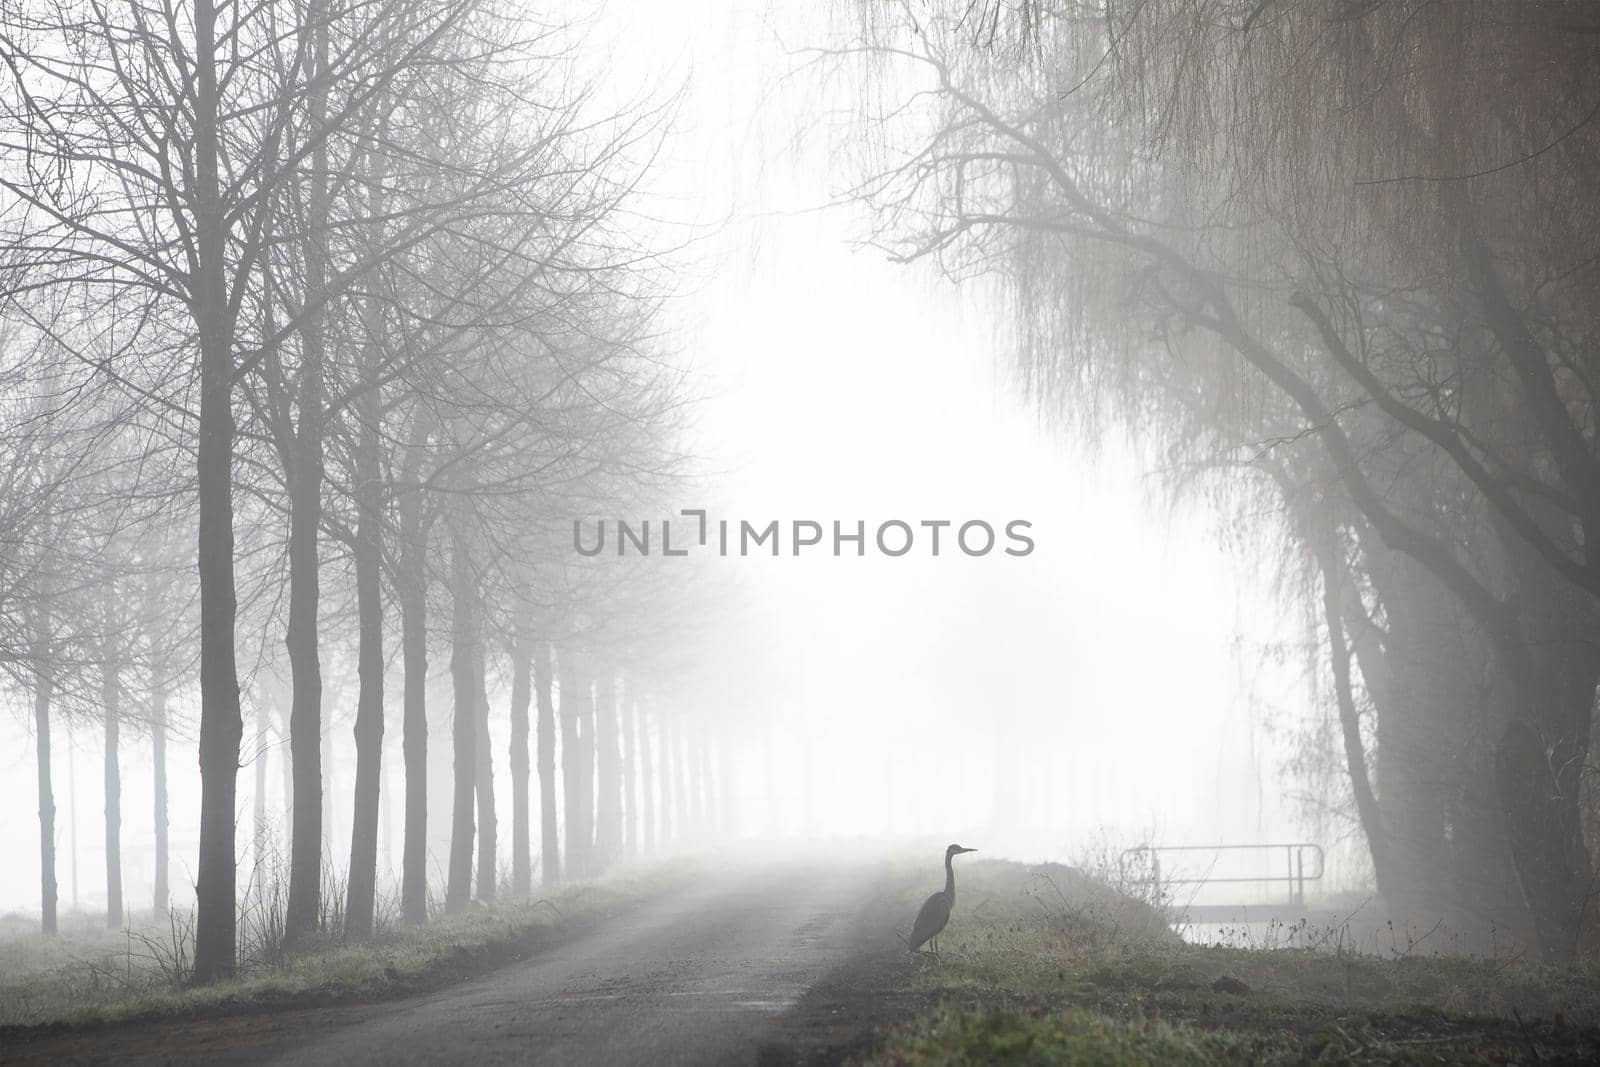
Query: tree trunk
x=414, y=743
x=386, y=815
x=1542, y=754
x=723, y=780
x=47, y=800
x=1484, y=895
x=111, y=705
x=369, y=805
x=608, y=810
x=549, y=838
x=158, y=755
x=670, y=826
x=521, y=860
x=488, y=861
x=220, y=725
x=285, y=769
x=305, y=715
x=1476, y=895
x=682, y=786
x=1423, y=681
x=647, y=783
x=706, y=771
x=574, y=695
x=305, y=524
x=630, y=771
x=260, y=831
x=769, y=758
x=464, y=728
x=699, y=787
x=586, y=779
x=693, y=800
x=808, y=783
x=72, y=819
x=1328, y=554
x=704, y=792
x=363, y=877
x=330, y=790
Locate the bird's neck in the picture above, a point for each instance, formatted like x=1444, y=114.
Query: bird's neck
x=949, y=878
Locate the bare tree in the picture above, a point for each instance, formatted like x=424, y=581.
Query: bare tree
x=1343, y=215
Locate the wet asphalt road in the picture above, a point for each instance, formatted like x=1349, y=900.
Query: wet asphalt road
x=693, y=978
x=699, y=975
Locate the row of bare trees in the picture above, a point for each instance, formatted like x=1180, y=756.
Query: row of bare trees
x=345, y=306
x=1332, y=264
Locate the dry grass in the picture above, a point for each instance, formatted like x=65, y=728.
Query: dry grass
x=86, y=973
x=1049, y=964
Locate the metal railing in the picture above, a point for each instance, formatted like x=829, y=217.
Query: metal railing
x=1295, y=873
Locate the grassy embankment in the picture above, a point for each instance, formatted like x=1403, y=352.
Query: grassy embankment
x=87, y=974
x=1048, y=966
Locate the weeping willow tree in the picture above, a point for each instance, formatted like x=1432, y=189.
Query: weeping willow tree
x=1339, y=257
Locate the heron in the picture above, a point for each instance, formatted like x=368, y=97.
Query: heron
x=935, y=911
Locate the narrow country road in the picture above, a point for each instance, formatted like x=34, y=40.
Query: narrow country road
x=696, y=976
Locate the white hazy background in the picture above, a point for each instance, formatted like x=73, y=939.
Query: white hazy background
x=1118, y=685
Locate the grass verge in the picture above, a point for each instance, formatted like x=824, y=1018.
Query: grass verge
x=85, y=976
x=1045, y=965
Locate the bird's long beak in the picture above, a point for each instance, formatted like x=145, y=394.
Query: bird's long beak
x=961, y=850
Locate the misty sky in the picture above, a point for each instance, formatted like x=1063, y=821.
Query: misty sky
x=836, y=385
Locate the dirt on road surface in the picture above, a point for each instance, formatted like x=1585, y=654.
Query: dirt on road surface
x=712, y=973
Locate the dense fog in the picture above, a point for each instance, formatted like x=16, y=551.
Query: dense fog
x=1108, y=687
x=1155, y=445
